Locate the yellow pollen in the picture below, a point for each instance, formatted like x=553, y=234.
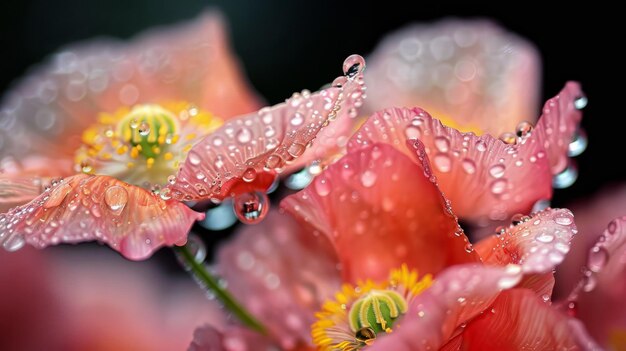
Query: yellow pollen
x=149, y=137
x=357, y=314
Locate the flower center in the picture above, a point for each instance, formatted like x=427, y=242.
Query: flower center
x=145, y=144
x=359, y=314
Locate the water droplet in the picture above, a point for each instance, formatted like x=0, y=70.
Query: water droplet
x=442, y=143
x=296, y=149
x=353, y=65
x=578, y=144
x=563, y=219
x=194, y=158
x=196, y=247
x=368, y=178
x=249, y=174
x=171, y=179
x=297, y=119
x=165, y=194
x=469, y=248
x=244, y=135
x=251, y=207
x=468, y=166
x=566, y=178
x=523, y=129
x=14, y=243
x=508, y=138
x=443, y=162
x=589, y=282
x=481, y=146
x=496, y=171
x=339, y=82
x=412, y=132
x=498, y=186
x=598, y=257
x=116, y=198
x=144, y=129
x=273, y=162
x=365, y=334
x=512, y=277
x=322, y=186
x=581, y=102
x=544, y=237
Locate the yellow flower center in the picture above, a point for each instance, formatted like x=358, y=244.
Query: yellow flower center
x=145, y=144
x=357, y=314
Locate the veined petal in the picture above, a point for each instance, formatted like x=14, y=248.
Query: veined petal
x=380, y=210
x=48, y=110
x=458, y=295
x=538, y=243
x=265, y=142
x=484, y=177
x=18, y=191
x=469, y=73
x=81, y=208
x=282, y=275
x=520, y=320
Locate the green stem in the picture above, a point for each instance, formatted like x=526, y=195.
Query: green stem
x=211, y=282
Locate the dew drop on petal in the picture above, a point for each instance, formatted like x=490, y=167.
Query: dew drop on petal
x=194, y=158
x=144, y=129
x=496, y=171
x=598, y=257
x=443, y=162
x=14, y=243
x=468, y=166
x=322, y=186
x=251, y=207
x=249, y=175
x=481, y=146
x=353, y=65
x=581, y=102
x=508, y=138
x=578, y=144
x=566, y=178
x=296, y=149
x=116, y=198
x=498, y=186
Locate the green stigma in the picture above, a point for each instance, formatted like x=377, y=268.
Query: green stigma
x=377, y=310
x=147, y=128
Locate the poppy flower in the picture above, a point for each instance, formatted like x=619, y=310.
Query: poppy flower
x=148, y=125
x=482, y=81
x=393, y=269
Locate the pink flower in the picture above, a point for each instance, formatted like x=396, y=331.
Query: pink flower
x=140, y=124
x=387, y=244
x=473, y=76
x=86, y=300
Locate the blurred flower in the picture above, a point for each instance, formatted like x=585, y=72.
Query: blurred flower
x=134, y=115
x=71, y=300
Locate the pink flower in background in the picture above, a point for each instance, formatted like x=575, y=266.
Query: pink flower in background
x=84, y=300
x=145, y=124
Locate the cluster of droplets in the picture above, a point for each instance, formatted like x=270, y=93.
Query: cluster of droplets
x=546, y=236
x=598, y=257
x=248, y=149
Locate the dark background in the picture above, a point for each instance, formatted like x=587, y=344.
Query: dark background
x=287, y=46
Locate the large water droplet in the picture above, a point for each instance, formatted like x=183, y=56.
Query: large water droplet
x=544, y=237
x=249, y=175
x=144, y=129
x=496, y=171
x=244, y=135
x=14, y=243
x=566, y=178
x=322, y=186
x=581, y=102
x=296, y=119
x=563, y=219
x=251, y=207
x=353, y=65
x=468, y=166
x=598, y=257
x=296, y=149
x=508, y=138
x=194, y=158
x=442, y=143
x=578, y=144
x=523, y=129
x=481, y=146
x=116, y=198
x=498, y=186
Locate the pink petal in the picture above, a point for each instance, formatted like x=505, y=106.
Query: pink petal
x=601, y=292
x=23, y=180
x=233, y=338
x=380, y=210
x=472, y=73
x=538, y=244
x=281, y=274
x=458, y=295
x=519, y=320
x=48, y=110
x=84, y=208
x=264, y=142
x=484, y=178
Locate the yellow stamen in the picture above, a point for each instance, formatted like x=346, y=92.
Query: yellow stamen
x=357, y=314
